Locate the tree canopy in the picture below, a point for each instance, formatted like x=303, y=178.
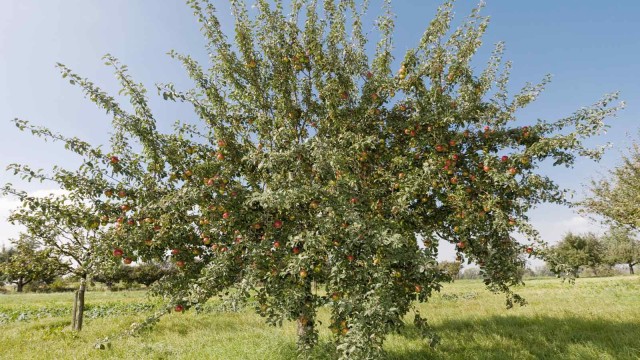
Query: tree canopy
x=617, y=196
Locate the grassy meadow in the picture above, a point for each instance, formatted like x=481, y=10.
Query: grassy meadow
x=597, y=318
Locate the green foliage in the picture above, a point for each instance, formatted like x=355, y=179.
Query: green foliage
x=616, y=197
x=27, y=264
x=622, y=247
x=315, y=164
x=575, y=251
x=450, y=268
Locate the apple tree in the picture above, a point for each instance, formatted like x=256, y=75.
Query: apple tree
x=27, y=264
x=321, y=160
x=616, y=197
x=621, y=247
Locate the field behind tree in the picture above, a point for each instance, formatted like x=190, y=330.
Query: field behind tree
x=597, y=318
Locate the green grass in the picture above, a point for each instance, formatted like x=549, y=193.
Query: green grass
x=597, y=318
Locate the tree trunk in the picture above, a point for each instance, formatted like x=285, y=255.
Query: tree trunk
x=20, y=285
x=75, y=310
x=307, y=335
x=631, y=269
x=79, y=313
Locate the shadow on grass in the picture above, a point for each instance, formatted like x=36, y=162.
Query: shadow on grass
x=543, y=337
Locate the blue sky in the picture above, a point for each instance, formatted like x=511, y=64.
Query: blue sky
x=590, y=47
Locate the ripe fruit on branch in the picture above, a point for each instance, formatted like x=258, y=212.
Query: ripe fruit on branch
x=529, y=250
x=350, y=258
x=296, y=250
x=504, y=158
x=180, y=263
x=276, y=244
x=108, y=193
x=277, y=224
x=220, y=156
x=303, y=273
x=512, y=171
x=439, y=148
x=225, y=215
x=117, y=252
x=175, y=251
x=127, y=260
x=114, y=160
x=125, y=207
x=122, y=193
x=354, y=200
x=178, y=308
x=206, y=240
x=486, y=168
x=461, y=245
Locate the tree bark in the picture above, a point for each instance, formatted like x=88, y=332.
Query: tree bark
x=75, y=310
x=307, y=336
x=79, y=314
x=631, y=268
x=20, y=286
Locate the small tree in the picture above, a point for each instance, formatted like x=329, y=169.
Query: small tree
x=111, y=275
x=621, y=247
x=149, y=273
x=65, y=225
x=450, y=268
x=616, y=198
x=575, y=251
x=27, y=264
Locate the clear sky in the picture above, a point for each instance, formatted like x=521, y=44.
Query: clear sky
x=590, y=47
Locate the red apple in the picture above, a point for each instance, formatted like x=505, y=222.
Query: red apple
x=114, y=160
x=303, y=273
x=350, y=258
x=117, y=252
x=225, y=215
x=188, y=173
x=277, y=224
x=513, y=171
x=222, y=143
x=180, y=263
x=220, y=156
x=179, y=308
x=439, y=148
x=296, y=250
x=353, y=200
x=276, y=244
x=452, y=143
x=127, y=260
x=125, y=207
x=206, y=241
x=504, y=158
x=486, y=168
x=175, y=251
x=529, y=250
x=122, y=193
x=108, y=193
